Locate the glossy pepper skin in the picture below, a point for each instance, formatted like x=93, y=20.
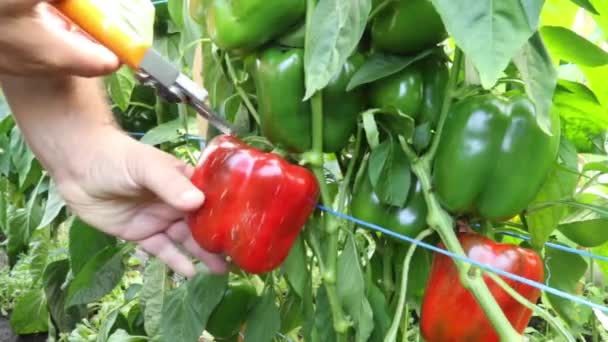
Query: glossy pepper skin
x=248, y=24
x=407, y=26
x=409, y=220
x=231, y=313
x=286, y=120
x=255, y=206
x=450, y=313
x=493, y=157
x=417, y=90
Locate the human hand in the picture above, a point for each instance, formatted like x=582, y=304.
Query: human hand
x=137, y=193
x=37, y=41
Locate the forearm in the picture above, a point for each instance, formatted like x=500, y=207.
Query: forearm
x=59, y=118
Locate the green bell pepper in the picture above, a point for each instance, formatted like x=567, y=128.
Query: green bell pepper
x=409, y=220
x=231, y=313
x=248, y=24
x=285, y=119
x=417, y=91
x=493, y=157
x=407, y=27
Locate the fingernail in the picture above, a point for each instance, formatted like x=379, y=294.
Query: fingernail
x=193, y=196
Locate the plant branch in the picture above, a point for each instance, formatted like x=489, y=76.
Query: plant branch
x=440, y=221
x=391, y=336
x=447, y=102
x=242, y=93
x=558, y=326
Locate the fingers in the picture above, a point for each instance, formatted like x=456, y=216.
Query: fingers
x=163, y=248
x=180, y=233
x=166, y=177
x=79, y=55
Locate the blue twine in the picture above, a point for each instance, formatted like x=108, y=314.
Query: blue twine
x=422, y=244
x=512, y=276
x=561, y=247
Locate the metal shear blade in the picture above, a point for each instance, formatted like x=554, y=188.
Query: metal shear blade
x=176, y=87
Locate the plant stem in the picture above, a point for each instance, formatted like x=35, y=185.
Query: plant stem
x=242, y=93
x=378, y=9
x=391, y=336
x=329, y=223
x=557, y=325
x=440, y=221
x=387, y=276
x=447, y=102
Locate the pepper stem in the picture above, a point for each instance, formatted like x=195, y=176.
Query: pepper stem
x=556, y=324
x=441, y=222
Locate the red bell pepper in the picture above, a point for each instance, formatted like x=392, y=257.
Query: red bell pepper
x=256, y=204
x=451, y=313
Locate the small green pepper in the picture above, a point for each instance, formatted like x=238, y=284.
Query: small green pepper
x=409, y=220
x=248, y=24
x=286, y=120
x=407, y=27
x=231, y=313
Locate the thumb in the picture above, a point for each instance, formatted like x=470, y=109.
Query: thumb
x=167, y=177
x=17, y=6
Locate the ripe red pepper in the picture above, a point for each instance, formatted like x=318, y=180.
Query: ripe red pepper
x=256, y=204
x=451, y=313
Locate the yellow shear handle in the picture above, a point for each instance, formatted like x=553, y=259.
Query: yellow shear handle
x=90, y=16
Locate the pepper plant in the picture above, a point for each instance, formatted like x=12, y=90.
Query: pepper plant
x=478, y=127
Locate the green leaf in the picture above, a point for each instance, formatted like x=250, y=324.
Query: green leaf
x=596, y=78
x=54, y=204
x=568, y=46
x=30, y=315
x=264, y=320
x=382, y=319
x=176, y=12
x=323, y=320
x=381, y=65
x=335, y=31
x=602, y=251
x=21, y=155
x=564, y=270
x=582, y=117
x=54, y=279
x=122, y=336
x=187, y=308
x=106, y=326
x=351, y=290
x=371, y=128
x=98, y=277
x=596, y=166
x=390, y=174
x=39, y=250
x=169, y=131
x=96, y=241
x=16, y=234
x=540, y=79
x=560, y=184
x=295, y=268
x=585, y=228
x=490, y=32
x=5, y=155
x=153, y=295
x=120, y=86
x=586, y=5
x=558, y=13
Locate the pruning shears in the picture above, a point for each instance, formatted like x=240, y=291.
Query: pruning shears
x=149, y=66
